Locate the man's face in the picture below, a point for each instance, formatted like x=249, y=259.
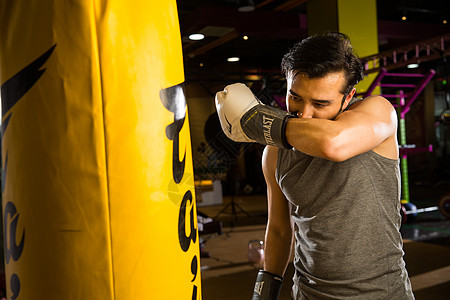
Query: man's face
x=319, y=98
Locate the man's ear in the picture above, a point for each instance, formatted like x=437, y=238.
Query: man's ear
x=349, y=98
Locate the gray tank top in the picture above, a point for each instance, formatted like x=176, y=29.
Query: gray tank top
x=347, y=221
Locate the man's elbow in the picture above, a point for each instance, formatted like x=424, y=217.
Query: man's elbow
x=282, y=231
x=335, y=151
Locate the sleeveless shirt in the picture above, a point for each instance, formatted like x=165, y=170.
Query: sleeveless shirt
x=347, y=221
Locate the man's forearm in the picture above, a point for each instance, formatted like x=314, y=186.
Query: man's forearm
x=277, y=251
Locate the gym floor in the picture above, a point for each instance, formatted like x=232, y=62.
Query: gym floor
x=228, y=274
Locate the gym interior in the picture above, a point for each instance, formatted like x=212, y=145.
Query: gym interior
x=117, y=179
x=229, y=184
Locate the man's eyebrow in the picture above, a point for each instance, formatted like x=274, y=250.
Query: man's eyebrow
x=294, y=93
x=315, y=100
x=322, y=101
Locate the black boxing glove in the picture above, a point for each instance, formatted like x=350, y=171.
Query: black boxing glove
x=267, y=286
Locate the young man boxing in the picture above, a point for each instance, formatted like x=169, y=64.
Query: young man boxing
x=333, y=181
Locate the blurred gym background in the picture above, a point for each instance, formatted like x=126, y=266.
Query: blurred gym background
x=405, y=47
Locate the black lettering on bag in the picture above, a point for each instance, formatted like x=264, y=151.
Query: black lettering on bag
x=14, y=88
x=12, y=250
x=194, y=270
x=11, y=92
x=185, y=241
x=174, y=100
x=14, y=283
x=194, y=267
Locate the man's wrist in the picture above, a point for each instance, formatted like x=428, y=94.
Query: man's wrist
x=284, y=138
x=266, y=125
x=288, y=131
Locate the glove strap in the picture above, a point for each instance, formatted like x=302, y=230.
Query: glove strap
x=266, y=125
x=267, y=286
x=283, y=132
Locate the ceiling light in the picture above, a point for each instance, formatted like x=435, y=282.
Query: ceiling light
x=246, y=6
x=412, y=66
x=196, y=37
x=233, y=59
x=245, y=37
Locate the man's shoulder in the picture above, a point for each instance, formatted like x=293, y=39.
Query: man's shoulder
x=374, y=100
x=373, y=103
x=269, y=158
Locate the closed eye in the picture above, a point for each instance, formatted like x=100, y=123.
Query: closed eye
x=321, y=103
x=294, y=97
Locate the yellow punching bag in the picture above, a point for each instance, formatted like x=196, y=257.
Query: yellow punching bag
x=97, y=180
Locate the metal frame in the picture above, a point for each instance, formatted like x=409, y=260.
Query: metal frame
x=403, y=105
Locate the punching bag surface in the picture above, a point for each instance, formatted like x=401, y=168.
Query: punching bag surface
x=97, y=181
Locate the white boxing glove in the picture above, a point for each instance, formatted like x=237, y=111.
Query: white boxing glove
x=231, y=104
x=245, y=119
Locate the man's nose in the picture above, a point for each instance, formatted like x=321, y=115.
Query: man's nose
x=300, y=109
x=305, y=111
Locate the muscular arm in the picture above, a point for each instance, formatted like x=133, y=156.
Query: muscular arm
x=279, y=232
x=365, y=126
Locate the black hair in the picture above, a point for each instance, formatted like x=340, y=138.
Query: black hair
x=319, y=55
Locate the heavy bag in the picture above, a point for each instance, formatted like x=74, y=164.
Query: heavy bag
x=97, y=180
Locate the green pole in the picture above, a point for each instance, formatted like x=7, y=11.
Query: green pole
x=403, y=157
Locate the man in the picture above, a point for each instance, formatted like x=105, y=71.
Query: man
x=332, y=173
